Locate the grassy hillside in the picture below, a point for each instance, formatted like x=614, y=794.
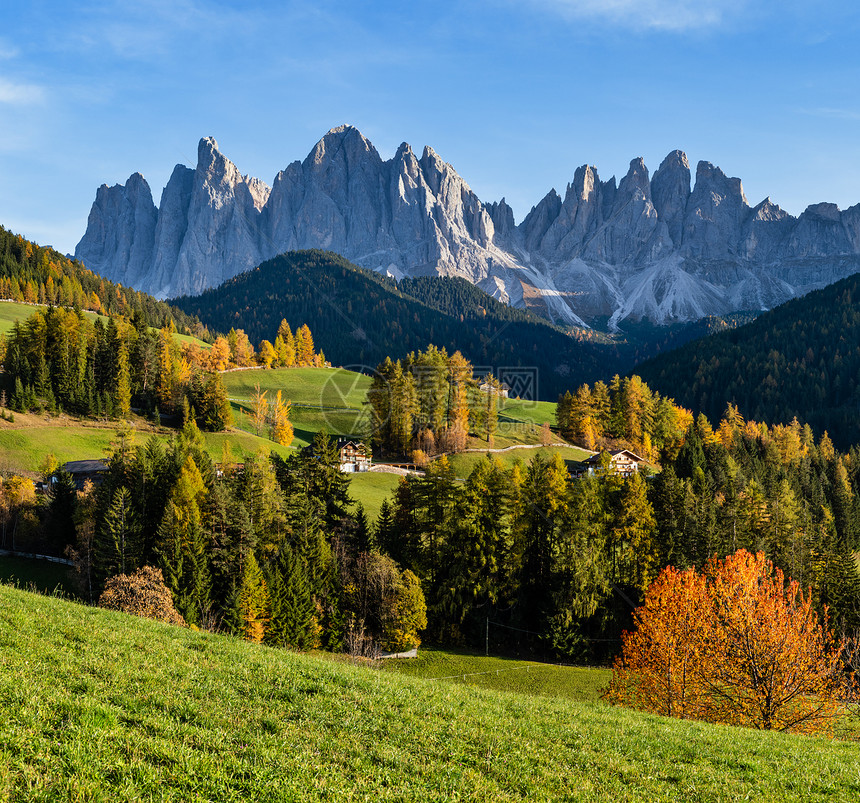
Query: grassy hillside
x=29, y=272
x=24, y=445
x=42, y=575
x=333, y=399
x=11, y=311
x=505, y=674
x=100, y=706
x=322, y=398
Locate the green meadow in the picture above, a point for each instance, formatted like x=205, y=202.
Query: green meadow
x=505, y=674
x=331, y=399
x=464, y=463
x=101, y=706
x=24, y=449
x=11, y=311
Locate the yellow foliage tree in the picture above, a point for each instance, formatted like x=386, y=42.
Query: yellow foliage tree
x=219, y=354
x=282, y=429
x=267, y=354
x=253, y=600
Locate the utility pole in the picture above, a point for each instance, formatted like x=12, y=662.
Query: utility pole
x=487, y=639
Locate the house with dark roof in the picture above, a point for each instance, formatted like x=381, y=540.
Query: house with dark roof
x=354, y=455
x=84, y=470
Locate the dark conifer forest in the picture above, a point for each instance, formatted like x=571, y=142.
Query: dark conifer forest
x=801, y=360
x=360, y=317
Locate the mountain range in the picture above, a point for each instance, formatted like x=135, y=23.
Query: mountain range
x=654, y=248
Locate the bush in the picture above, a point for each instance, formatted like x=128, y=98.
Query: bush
x=142, y=594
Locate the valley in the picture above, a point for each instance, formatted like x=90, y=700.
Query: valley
x=498, y=466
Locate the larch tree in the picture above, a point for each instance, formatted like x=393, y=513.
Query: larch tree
x=267, y=354
x=253, y=600
x=259, y=410
x=282, y=429
x=219, y=354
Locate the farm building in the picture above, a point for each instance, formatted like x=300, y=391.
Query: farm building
x=621, y=461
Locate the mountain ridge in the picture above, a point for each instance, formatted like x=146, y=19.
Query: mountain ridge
x=659, y=248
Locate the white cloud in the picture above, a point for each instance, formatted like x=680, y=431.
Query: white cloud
x=20, y=94
x=666, y=15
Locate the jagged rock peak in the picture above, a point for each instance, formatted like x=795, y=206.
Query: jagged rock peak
x=709, y=175
x=822, y=211
x=343, y=137
x=767, y=210
x=676, y=159
x=585, y=180
x=636, y=178
x=641, y=247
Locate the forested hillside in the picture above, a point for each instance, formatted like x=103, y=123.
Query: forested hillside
x=39, y=275
x=801, y=360
x=359, y=318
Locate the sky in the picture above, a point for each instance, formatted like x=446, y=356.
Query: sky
x=515, y=94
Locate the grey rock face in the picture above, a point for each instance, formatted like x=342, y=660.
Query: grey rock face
x=670, y=191
x=644, y=248
x=120, y=234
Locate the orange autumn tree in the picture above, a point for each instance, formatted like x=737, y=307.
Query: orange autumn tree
x=735, y=644
x=658, y=666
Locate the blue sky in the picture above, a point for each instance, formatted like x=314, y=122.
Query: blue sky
x=515, y=95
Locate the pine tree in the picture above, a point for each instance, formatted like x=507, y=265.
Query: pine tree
x=299, y=608
x=118, y=542
x=365, y=537
x=385, y=531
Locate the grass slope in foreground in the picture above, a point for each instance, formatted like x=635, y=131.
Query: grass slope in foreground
x=100, y=706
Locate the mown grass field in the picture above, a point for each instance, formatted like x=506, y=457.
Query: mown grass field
x=465, y=462
x=371, y=488
x=11, y=311
x=100, y=706
x=23, y=449
x=505, y=674
x=331, y=399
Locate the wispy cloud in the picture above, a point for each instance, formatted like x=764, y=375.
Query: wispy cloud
x=150, y=29
x=665, y=15
x=13, y=93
